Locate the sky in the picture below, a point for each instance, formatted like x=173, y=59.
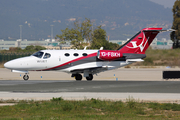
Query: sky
x=166, y=3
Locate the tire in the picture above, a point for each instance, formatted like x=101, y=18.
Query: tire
x=25, y=77
x=78, y=77
x=90, y=77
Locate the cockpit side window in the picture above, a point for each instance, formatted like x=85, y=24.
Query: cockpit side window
x=47, y=55
x=38, y=54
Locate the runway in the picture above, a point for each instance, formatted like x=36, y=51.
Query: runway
x=90, y=86
x=144, y=84
x=163, y=91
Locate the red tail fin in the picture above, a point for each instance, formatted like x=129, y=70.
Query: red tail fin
x=141, y=41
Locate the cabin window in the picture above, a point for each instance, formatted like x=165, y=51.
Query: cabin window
x=76, y=54
x=47, y=55
x=38, y=54
x=84, y=54
x=67, y=54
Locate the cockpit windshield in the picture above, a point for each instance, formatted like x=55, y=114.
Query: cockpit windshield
x=38, y=54
x=46, y=56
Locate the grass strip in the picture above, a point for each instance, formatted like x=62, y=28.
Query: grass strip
x=58, y=108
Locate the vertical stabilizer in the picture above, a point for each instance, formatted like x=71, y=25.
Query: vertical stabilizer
x=141, y=41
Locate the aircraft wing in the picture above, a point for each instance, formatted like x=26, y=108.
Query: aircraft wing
x=92, y=70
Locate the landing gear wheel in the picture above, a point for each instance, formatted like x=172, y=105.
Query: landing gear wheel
x=25, y=77
x=90, y=77
x=78, y=77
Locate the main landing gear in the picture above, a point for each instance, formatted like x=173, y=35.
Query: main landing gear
x=90, y=77
x=26, y=77
x=78, y=77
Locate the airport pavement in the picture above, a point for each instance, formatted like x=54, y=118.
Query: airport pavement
x=140, y=74
x=144, y=84
x=159, y=91
x=55, y=86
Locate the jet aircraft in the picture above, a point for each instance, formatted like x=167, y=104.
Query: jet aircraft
x=86, y=62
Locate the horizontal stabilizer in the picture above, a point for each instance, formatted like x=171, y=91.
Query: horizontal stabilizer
x=134, y=60
x=160, y=30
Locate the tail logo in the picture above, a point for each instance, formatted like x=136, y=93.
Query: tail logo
x=134, y=44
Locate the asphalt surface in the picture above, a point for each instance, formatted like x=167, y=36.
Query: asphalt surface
x=141, y=84
x=44, y=86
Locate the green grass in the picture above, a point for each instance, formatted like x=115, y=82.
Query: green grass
x=167, y=106
x=57, y=108
x=161, y=58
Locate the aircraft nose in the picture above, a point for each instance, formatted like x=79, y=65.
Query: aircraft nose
x=13, y=64
x=18, y=64
x=8, y=65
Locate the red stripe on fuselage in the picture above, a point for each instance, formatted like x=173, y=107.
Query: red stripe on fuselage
x=90, y=55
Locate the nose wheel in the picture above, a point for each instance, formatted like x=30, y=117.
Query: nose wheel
x=25, y=77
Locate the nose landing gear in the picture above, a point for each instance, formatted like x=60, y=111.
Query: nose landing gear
x=26, y=77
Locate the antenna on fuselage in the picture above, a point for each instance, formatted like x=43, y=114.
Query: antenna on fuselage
x=85, y=47
x=101, y=48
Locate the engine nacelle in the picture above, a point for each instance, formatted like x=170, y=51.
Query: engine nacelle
x=108, y=55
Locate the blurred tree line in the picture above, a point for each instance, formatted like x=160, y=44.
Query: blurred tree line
x=28, y=49
x=17, y=52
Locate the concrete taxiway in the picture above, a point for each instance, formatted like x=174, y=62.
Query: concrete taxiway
x=120, y=84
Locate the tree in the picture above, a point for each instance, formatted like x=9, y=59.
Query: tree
x=34, y=48
x=30, y=47
x=81, y=31
x=99, y=40
x=175, y=35
x=13, y=49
